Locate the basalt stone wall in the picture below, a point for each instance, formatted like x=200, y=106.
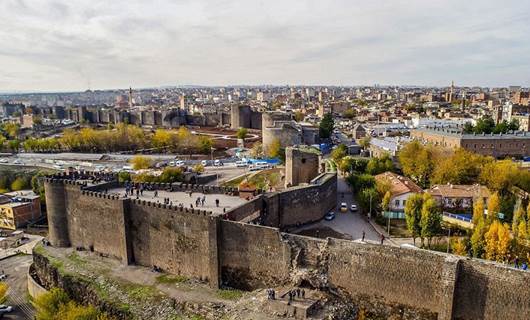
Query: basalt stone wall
x=179, y=241
x=302, y=205
x=252, y=256
x=486, y=290
x=96, y=222
x=247, y=210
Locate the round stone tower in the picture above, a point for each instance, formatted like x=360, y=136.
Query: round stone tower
x=56, y=210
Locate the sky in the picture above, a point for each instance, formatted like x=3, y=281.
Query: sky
x=51, y=45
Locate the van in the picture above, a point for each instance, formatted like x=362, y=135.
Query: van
x=241, y=164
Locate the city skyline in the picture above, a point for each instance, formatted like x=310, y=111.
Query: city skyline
x=54, y=46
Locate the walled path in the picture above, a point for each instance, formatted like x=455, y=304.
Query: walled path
x=16, y=268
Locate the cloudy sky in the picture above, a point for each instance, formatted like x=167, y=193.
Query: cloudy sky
x=76, y=44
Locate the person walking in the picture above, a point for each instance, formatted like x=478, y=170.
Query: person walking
x=382, y=238
x=364, y=234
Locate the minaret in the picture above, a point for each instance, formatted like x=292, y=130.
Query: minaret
x=451, y=91
x=463, y=100
x=130, y=98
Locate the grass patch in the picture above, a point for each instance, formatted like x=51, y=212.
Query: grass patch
x=196, y=317
x=229, y=294
x=170, y=279
x=76, y=259
x=140, y=292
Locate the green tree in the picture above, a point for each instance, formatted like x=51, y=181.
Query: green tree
x=170, y=175
x=19, y=184
x=431, y=219
x=326, y=126
x=462, y=167
x=205, y=145
x=339, y=152
x=477, y=238
x=124, y=176
x=413, y=210
x=242, y=133
x=369, y=199
x=365, y=142
x=275, y=149
x=484, y=125
x=48, y=304
x=349, y=113
x=299, y=116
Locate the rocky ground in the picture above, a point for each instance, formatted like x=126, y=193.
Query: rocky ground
x=145, y=294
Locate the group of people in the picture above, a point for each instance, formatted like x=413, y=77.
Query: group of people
x=291, y=294
x=522, y=266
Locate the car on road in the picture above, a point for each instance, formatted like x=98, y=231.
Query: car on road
x=241, y=164
x=204, y=162
x=217, y=163
x=329, y=216
x=5, y=309
x=3, y=276
x=18, y=161
x=353, y=208
x=343, y=207
x=3, y=160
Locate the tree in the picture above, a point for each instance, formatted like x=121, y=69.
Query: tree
x=462, y=167
x=385, y=203
x=170, y=175
x=162, y=138
x=369, y=199
x=275, y=148
x=19, y=184
x=431, y=219
x=124, y=176
x=140, y=162
x=3, y=292
x=478, y=210
x=484, y=125
x=257, y=150
x=299, y=116
x=494, y=207
x=326, y=126
x=365, y=142
x=242, y=133
x=12, y=130
x=349, y=113
x=413, y=209
x=477, y=238
x=522, y=230
x=339, y=152
x=47, y=305
x=379, y=165
x=417, y=162
x=205, y=145
x=497, y=240
x=199, y=168
x=500, y=175
x=459, y=247
x=518, y=217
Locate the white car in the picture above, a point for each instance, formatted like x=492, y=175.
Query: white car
x=217, y=163
x=343, y=207
x=5, y=309
x=18, y=161
x=204, y=163
x=353, y=208
x=241, y=164
x=3, y=160
x=3, y=276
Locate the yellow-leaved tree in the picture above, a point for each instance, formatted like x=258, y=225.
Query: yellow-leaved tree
x=3, y=292
x=140, y=162
x=498, y=241
x=494, y=207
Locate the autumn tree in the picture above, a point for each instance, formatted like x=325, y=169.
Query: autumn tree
x=499, y=175
x=417, y=162
x=478, y=210
x=413, y=210
x=140, y=162
x=365, y=142
x=462, y=167
x=3, y=292
x=275, y=148
x=497, y=240
x=339, y=152
x=385, y=203
x=459, y=247
x=494, y=207
x=477, y=238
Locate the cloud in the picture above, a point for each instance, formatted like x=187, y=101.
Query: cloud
x=59, y=45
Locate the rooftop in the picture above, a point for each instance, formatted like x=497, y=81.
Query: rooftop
x=398, y=184
x=459, y=191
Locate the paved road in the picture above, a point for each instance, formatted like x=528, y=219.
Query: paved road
x=349, y=223
x=16, y=268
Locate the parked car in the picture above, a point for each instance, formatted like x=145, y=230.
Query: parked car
x=3, y=276
x=3, y=160
x=217, y=163
x=329, y=216
x=353, y=208
x=204, y=162
x=18, y=161
x=343, y=207
x=5, y=309
x=241, y=164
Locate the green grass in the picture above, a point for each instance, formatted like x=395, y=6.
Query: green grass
x=196, y=317
x=170, y=279
x=139, y=292
x=76, y=259
x=229, y=294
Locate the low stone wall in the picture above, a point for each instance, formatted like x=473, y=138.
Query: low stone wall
x=34, y=288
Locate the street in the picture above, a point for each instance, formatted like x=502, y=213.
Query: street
x=16, y=268
x=348, y=223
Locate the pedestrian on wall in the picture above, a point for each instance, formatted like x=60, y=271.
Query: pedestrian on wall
x=382, y=238
x=364, y=234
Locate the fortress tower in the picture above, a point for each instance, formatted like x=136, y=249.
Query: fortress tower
x=301, y=165
x=57, y=214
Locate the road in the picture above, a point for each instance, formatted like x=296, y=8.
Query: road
x=16, y=268
x=350, y=223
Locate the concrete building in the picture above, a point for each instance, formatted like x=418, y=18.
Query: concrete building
x=19, y=208
x=302, y=165
x=496, y=145
x=458, y=197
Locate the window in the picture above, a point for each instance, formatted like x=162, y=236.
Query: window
x=404, y=201
x=397, y=203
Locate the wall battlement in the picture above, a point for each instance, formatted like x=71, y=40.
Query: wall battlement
x=193, y=243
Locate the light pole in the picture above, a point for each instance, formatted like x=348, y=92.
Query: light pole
x=449, y=239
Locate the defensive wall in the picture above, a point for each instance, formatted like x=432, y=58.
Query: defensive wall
x=387, y=281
